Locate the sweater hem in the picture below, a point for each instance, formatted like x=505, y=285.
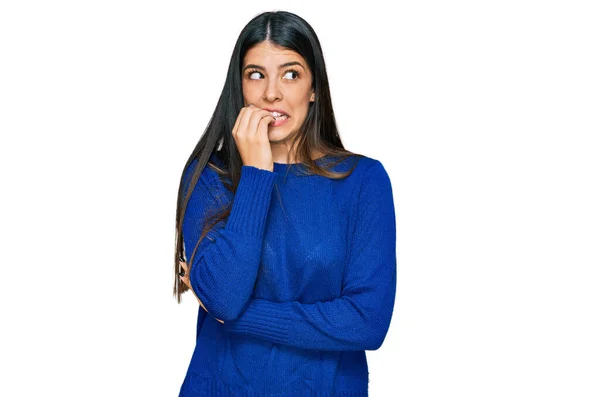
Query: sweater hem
x=197, y=385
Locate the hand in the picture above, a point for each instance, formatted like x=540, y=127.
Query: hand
x=251, y=137
x=186, y=281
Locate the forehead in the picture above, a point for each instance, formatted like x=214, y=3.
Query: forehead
x=266, y=53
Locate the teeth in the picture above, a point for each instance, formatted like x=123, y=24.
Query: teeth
x=277, y=114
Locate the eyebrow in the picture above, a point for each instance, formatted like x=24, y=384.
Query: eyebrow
x=283, y=65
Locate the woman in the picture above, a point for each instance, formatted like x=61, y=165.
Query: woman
x=289, y=239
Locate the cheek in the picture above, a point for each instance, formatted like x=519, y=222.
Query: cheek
x=250, y=93
x=301, y=108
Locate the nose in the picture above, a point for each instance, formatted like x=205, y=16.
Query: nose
x=272, y=91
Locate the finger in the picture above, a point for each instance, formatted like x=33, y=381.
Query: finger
x=251, y=118
x=183, y=265
x=186, y=281
x=267, y=118
x=257, y=117
x=184, y=268
x=237, y=122
x=245, y=119
x=263, y=127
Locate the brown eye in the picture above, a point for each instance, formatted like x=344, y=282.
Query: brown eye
x=292, y=72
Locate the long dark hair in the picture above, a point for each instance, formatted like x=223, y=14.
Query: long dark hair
x=318, y=133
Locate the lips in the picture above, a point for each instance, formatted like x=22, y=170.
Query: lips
x=277, y=112
x=280, y=116
x=279, y=121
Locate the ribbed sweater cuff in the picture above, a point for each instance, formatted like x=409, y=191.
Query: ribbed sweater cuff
x=251, y=202
x=264, y=319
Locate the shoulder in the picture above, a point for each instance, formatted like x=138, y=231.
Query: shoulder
x=356, y=162
x=374, y=177
x=368, y=177
x=363, y=170
x=370, y=168
x=368, y=162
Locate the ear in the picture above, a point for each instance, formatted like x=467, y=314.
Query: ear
x=312, y=97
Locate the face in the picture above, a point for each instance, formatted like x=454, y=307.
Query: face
x=276, y=78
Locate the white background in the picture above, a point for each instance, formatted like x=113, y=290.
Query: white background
x=485, y=115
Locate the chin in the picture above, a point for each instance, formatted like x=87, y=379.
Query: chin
x=277, y=136
x=277, y=133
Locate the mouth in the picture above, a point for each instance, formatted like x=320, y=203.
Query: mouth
x=279, y=116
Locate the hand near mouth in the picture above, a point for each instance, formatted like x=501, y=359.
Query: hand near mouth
x=250, y=133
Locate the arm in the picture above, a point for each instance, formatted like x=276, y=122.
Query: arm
x=225, y=265
x=360, y=317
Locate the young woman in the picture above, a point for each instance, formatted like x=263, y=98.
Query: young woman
x=289, y=239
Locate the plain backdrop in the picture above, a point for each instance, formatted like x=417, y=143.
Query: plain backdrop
x=484, y=114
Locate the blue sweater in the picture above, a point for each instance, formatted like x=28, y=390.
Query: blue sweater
x=303, y=274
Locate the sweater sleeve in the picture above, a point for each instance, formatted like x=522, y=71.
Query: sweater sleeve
x=359, y=319
x=226, y=263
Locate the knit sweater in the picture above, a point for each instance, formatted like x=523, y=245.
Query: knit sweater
x=303, y=274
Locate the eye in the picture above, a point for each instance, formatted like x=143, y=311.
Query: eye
x=253, y=72
x=293, y=71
